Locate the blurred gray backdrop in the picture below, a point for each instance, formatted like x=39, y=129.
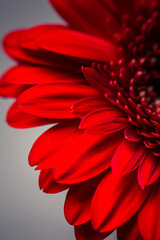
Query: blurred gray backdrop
x=26, y=213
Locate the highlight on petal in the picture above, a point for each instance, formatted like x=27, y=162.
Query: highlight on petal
x=86, y=232
x=148, y=217
x=116, y=200
x=129, y=230
x=127, y=157
x=19, y=119
x=77, y=207
x=54, y=100
x=104, y=120
x=48, y=184
x=149, y=170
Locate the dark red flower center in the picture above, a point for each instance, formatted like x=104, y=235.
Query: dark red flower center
x=133, y=84
x=140, y=50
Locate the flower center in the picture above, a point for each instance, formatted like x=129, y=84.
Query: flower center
x=133, y=84
x=139, y=48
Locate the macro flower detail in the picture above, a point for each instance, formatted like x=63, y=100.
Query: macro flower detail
x=97, y=77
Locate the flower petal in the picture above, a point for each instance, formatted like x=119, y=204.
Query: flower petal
x=77, y=44
x=52, y=141
x=148, y=218
x=89, y=155
x=11, y=90
x=78, y=201
x=31, y=75
x=129, y=231
x=131, y=134
x=116, y=200
x=124, y=6
x=86, y=232
x=86, y=105
x=81, y=15
x=149, y=170
x=54, y=100
x=127, y=157
x=48, y=184
x=18, y=119
x=13, y=48
x=104, y=120
x=95, y=79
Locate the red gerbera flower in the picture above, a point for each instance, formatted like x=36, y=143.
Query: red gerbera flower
x=106, y=145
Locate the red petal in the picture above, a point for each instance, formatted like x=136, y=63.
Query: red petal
x=86, y=232
x=52, y=141
x=86, y=105
x=125, y=6
x=77, y=44
x=104, y=120
x=88, y=155
x=148, y=218
x=12, y=90
x=48, y=184
x=7, y=89
x=131, y=134
x=30, y=75
x=95, y=79
x=28, y=39
x=81, y=15
x=127, y=157
x=12, y=47
x=116, y=200
x=149, y=170
x=54, y=100
x=129, y=231
x=78, y=201
x=18, y=119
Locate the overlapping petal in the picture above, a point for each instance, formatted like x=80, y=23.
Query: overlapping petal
x=148, y=218
x=19, y=119
x=104, y=120
x=116, y=200
x=31, y=75
x=90, y=156
x=54, y=100
x=149, y=170
x=13, y=47
x=129, y=231
x=48, y=184
x=86, y=105
x=81, y=15
x=127, y=157
x=77, y=44
x=77, y=208
x=86, y=232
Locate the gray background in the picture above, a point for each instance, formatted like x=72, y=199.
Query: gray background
x=26, y=213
